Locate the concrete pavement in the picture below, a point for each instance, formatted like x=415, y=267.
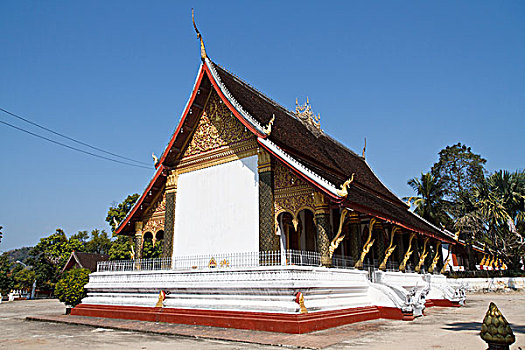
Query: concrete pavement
x=442, y=328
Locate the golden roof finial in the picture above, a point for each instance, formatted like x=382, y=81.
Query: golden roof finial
x=199, y=36
x=364, y=149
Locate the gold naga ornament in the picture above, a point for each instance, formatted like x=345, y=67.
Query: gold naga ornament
x=199, y=36
x=435, y=260
x=343, y=190
x=268, y=128
x=338, y=238
x=409, y=252
x=368, y=244
x=423, y=255
x=447, y=260
x=482, y=263
x=390, y=248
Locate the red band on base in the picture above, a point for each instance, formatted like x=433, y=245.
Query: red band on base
x=261, y=321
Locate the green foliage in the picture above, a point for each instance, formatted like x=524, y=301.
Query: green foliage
x=120, y=211
x=429, y=202
x=150, y=251
x=50, y=255
x=121, y=248
x=459, y=170
x=70, y=288
x=495, y=215
x=24, y=279
x=6, y=278
x=99, y=243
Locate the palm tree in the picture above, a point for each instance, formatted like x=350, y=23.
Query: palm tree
x=496, y=215
x=429, y=202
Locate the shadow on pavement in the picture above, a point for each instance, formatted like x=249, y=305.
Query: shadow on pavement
x=476, y=326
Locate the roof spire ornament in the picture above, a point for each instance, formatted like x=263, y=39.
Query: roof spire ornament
x=304, y=114
x=199, y=36
x=364, y=149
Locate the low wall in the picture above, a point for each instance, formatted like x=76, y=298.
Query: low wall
x=490, y=284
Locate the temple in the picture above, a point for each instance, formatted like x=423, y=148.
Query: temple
x=268, y=223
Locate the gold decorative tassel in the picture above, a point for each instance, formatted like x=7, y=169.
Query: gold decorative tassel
x=390, y=248
x=423, y=256
x=409, y=252
x=368, y=244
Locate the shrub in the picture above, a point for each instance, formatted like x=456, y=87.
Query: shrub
x=70, y=288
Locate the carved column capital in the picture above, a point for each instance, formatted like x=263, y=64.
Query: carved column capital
x=264, y=161
x=171, y=182
x=138, y=227
x=321, y=203
x=354, y=217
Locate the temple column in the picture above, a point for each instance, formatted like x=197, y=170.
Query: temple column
x=414, y=258
x=322, y=223
x=355, y=244
x=138, y=239
x=268, y=240
x=380, y=239
x=169, y=214
x=400, y=251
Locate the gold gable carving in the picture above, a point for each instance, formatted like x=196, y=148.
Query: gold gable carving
x=292, y=194
x=154, y=218
x=217, y=127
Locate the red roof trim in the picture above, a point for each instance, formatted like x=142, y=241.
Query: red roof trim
x=139, y=202
x=185, y=114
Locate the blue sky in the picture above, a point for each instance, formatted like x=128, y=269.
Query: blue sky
x=410, y=76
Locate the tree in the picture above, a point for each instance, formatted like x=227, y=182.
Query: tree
x=121, y=247
x=119, y=212
x=50, y=255
x=99, y=243
x=150, y=250
x=24, y=279
x=496, y=215
x=459, y=170
x=6, y=278
x=70, y=289
x=429, y=202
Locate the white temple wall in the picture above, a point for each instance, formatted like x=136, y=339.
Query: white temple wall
x=217, y=209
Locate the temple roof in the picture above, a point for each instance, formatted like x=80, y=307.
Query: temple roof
x=306, y=150
x=84, y=260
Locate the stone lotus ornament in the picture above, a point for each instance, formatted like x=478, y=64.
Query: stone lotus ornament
x=495, y=330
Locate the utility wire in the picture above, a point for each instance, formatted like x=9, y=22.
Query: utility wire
x=69, y=138
x=73, y=148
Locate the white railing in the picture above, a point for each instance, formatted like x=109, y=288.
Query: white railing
x=215, y=261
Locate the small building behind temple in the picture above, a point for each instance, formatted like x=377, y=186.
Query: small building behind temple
x=81, y=260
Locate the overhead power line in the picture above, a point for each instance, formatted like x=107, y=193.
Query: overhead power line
x=73, y=148
x=70, y=138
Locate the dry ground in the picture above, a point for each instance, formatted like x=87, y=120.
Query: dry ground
x=442, y=328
